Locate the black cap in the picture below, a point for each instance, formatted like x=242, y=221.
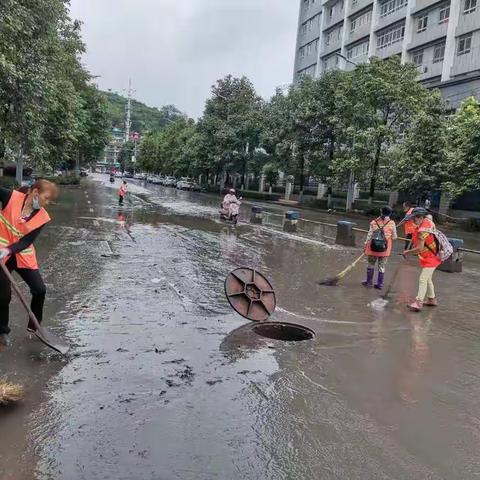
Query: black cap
x=418, y=212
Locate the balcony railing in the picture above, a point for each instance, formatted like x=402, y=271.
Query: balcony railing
x=358, y=33
x=422, y=4
x=394, y=49
x=356, y=6
x=433, y=32
x=382, y=22
x=467, y=62
x=469, y=22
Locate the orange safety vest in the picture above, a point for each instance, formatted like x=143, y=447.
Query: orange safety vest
x=388, y=228
x=409, y=226
x=13, y=227
x=122, y=191
x=428, y=256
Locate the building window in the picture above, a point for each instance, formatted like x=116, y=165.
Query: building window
x=390, y=6
x=464, y=44
x=422, y=23
x=361, y=20
x=333, y=36
x=439, y=52
x=444, y=14
x=417, y=57
x=390, y=36
x=310, y=71
x=358, y=50
x=469, y=6
x=310, y=24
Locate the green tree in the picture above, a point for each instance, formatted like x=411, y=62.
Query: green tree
x=231, y=123
x=419, y=162
x=381, y=101
x=463, y=166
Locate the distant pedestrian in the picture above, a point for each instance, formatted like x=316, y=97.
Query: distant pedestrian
x=426, y=247
x=122, y=192
x=408, y=225
x=378, y=246
x=428, y=203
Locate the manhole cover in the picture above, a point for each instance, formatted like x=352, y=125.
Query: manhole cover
x=288, y=332
x=250, y=294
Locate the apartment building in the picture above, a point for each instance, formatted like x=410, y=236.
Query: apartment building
x=441, y=37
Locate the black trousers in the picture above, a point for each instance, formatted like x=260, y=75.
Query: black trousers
x=120, y=200
x=37, y=288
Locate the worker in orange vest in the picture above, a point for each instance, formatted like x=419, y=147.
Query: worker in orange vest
x=408, y=226
x=425, y=246
x=21, y=219
x=122, y=192
x=378, y=246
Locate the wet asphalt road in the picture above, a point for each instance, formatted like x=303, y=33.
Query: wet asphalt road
x=164, y=381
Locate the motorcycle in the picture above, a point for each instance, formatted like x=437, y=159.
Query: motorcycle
x=112, y=178
x=230, y=214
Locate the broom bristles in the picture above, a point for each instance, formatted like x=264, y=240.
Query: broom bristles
x=331, y=282
x=10, y=392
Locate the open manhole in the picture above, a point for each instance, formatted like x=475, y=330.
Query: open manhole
x=288, y=332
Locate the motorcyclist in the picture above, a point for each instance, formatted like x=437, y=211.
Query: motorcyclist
x=229, y=200
x=112, y=177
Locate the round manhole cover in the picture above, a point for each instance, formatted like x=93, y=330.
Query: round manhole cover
x=250, y=294
x=288, y=332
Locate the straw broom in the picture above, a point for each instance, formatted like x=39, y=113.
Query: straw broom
x=10, y=393
x=333, y=281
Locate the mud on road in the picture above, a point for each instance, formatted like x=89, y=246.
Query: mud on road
x=164, y=381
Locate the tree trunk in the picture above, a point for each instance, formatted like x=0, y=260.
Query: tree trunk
x=302, y=176
x=19, y=170
x=373, y=179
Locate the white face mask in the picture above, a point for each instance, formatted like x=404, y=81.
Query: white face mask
x=36, y=203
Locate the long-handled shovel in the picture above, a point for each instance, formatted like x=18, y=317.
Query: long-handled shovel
x=333, y=281
x=42, y=333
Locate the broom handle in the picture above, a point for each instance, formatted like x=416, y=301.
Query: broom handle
x=32, y=316
x=352, y=265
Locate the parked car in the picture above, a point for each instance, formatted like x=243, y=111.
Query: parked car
x=128, y=174
x=170, y=182
x=184, y=185
x=157, y=180
x=83, y=172
x=139, y=176
x=118, y=174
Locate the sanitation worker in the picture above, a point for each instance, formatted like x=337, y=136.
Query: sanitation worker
x=22, y=217
x=408, y=226
x=122, y=192
x=425, y=246
x=378, y=246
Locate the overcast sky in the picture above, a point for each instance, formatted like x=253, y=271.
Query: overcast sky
x=174, y=50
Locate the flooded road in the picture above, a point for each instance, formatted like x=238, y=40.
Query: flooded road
x=166, y=382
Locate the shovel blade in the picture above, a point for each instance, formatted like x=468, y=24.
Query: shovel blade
x=52, y=341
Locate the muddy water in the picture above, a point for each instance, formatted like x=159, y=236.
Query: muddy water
x=165, y=382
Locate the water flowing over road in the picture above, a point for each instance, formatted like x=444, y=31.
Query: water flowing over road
x=165, y=381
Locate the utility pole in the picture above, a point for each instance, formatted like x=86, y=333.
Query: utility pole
x=128, y=120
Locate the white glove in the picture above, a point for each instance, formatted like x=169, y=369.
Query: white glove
x=4, y=252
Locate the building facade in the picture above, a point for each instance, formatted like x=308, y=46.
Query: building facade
x=441, y=37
